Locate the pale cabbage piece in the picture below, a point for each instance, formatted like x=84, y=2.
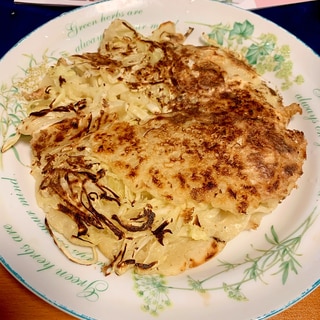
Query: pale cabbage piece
x=108, y=174
x=191, y=235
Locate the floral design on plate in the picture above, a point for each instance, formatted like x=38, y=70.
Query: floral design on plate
x=262, y=52
x=281, y=258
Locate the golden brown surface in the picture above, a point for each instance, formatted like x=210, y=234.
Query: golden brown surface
x=220, y=135
x=223, y=157
x=222, y=138
x=17, y=302
x=158, y=153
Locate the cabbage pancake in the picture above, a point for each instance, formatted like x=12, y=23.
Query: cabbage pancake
x=158, y=153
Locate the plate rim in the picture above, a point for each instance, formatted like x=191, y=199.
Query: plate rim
x=66, y=309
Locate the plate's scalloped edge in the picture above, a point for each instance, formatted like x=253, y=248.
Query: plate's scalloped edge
x=75, y=314
x=65, y=309
x=306, y=292
x=282, y=254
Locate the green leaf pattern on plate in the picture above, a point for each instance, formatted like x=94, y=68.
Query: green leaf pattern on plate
x=281, y=258
x=262, y=52
x=154, y=292
x=12, y=100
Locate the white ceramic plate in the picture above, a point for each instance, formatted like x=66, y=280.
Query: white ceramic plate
x=259, y=273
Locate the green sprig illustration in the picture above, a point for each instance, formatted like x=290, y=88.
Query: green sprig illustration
x=154, y=292
x=262, y=52
x=196, y=285
x=281, y=258
x=234, y=292
x=12, y=100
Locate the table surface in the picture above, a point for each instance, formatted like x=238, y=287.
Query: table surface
x=16, y=301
